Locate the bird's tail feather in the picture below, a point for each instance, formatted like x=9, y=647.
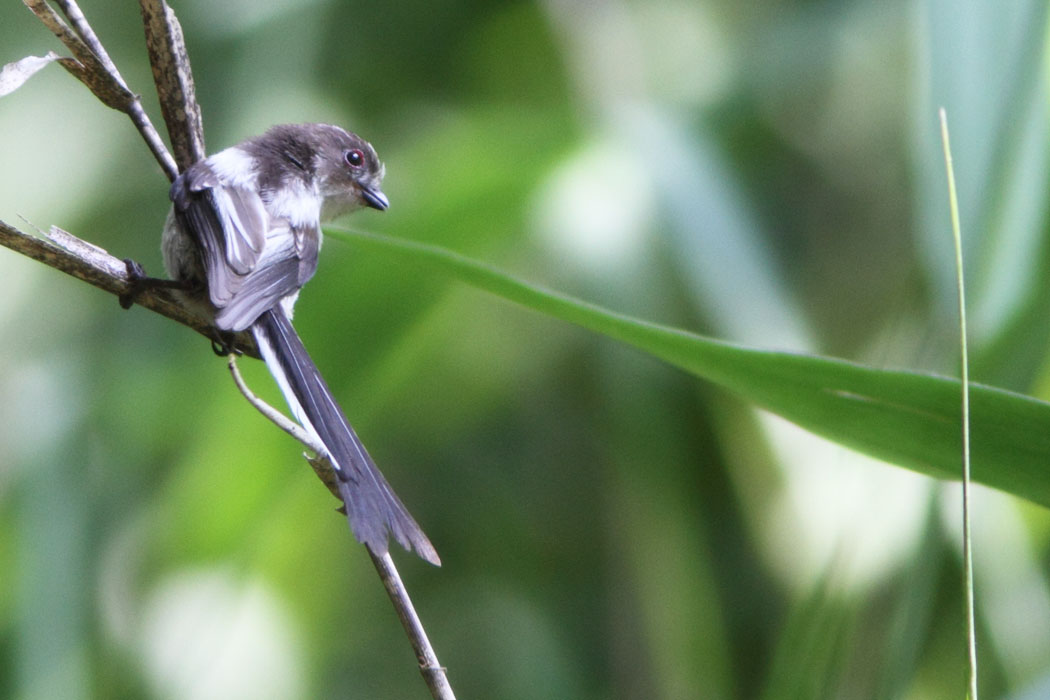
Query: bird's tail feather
x=374, y=510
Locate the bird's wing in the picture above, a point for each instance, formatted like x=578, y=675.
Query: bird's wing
x=281, y=270
x=250, y=260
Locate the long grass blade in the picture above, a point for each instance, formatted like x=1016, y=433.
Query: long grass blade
x=953, y=202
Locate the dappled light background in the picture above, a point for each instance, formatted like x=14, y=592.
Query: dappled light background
x=763, y=172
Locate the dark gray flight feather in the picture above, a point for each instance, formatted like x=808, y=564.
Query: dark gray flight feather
x=372, y=506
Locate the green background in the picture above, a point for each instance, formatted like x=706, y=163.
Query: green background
x=768, y=173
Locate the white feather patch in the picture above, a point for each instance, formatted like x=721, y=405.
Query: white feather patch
x=270, y=358
x=234, y=167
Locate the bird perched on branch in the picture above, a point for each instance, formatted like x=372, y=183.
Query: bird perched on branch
x=245, y=231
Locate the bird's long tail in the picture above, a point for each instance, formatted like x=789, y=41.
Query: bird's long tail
x=373, y=508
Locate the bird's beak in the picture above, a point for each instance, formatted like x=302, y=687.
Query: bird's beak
x=374, y=198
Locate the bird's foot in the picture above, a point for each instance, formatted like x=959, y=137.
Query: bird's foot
x=139, y=281
x=222, y=343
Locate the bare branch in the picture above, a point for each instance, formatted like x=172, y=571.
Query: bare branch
x=174, y=80
x=92, y=66
x=431, y=669
x=321, y=465
x=87, y=35
x=88, y=262
x=51, y=19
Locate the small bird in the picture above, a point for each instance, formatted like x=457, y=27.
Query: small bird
x=245, y=231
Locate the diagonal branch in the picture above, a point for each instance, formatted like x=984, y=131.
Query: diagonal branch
x=92, y=66
x=89, y=263
x=429, y=666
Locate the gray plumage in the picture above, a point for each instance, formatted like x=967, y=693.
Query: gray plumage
x=246, y=227
x=247, y=220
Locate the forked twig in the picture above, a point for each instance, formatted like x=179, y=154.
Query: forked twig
x=92, y=66
x=321, y=466
x=431, y=669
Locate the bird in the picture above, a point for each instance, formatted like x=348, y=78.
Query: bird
x=244, y=232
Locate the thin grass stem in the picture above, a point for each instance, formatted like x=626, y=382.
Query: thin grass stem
x=953, y=203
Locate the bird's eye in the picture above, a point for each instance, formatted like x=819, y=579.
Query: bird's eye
x=354, y=158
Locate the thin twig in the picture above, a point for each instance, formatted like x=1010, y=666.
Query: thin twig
x=93, y=67
x=134, y=107
x=429, y=667
x=276, y=417
x=88, y=36
x=82, y=59
x=321, y=465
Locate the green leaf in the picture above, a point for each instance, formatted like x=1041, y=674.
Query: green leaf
x=908, y=418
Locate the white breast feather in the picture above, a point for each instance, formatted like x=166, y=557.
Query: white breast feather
x=296, y=203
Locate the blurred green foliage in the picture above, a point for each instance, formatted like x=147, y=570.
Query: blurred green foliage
x=762, y=172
